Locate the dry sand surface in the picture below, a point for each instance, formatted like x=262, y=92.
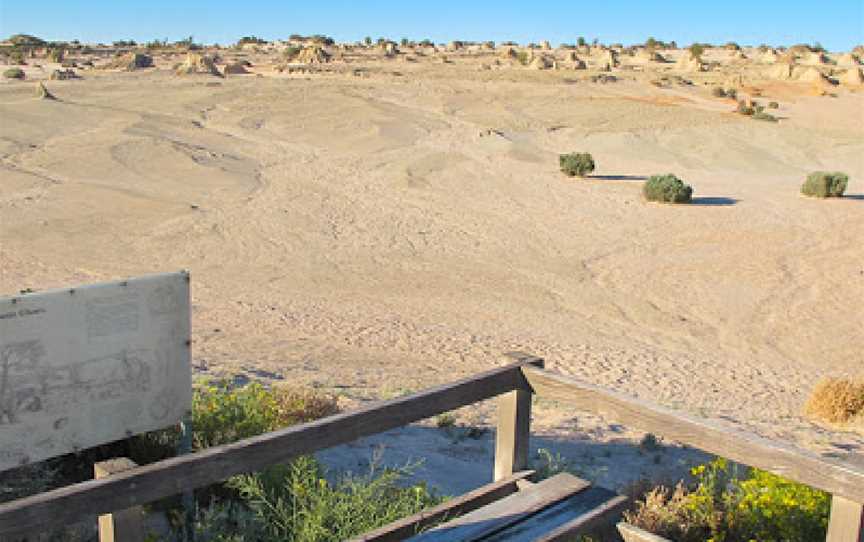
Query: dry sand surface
x=371, y=232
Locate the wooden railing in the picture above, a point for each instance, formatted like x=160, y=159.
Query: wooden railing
x=514, y=384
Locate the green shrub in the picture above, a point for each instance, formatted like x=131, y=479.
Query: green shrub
x=17, y=57
x=55, y=55
x=823, y=184
x=761, y=115
x=667, y=189
x=222, y=414
x=297, y=503
x=696, y=50
x=718, y=92
x=445, y=420
x=773, y=105
x=290, y=52
x=724, y=506
x=576, y=164
x=523, y=57
x=732, y=93
x=14, y=73
x=744, y=108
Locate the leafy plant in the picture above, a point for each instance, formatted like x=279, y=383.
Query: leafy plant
x=667, y=189
x=222, y=414
x=773, y=105
x=14, y=73
x=576, y=164
x=761, y=115
x=822, y=184
x=733, y=504
x=696, y=50
x=17, y=57
x=297, y=503
x=447, y=419
x=290, y=52
x=718, y=92
x=745, y=109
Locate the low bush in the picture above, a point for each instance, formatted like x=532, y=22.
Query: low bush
x=718, y=92
x=732, y=93
x=576, y=164
x=836, y=400
x=761, y=115
x=297, y=502
x=667, y=189
x=291, y=52
x=734, y=504
x=773, y=105
x=822, y=184
x=744, y=108
x=17, y=58
x=222, y=414
x=14, y=73
x=696, y=50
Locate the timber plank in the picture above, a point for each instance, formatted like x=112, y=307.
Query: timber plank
x=574, y=515
x=508, y=511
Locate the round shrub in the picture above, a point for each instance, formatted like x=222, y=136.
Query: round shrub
x=667, y=189
x=14, y=73
x=744, y=108
x=576, y=164
x=823, y=184
x=718, y=92
x=773, y=105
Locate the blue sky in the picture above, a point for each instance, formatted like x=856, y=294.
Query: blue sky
x=836, y=24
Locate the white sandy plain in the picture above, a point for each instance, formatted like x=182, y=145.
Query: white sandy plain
x=378, y=233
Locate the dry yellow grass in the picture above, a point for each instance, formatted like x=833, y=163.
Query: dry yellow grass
x=837, y=401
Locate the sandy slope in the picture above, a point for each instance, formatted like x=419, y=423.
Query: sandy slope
x=368, y=235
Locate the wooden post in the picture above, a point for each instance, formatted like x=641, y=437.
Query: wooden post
x=847, y=521
x=126, y=525
x=511, y=438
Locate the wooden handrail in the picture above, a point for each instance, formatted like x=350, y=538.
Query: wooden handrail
x=835, y=477
x=525, y=376
x=66, y=505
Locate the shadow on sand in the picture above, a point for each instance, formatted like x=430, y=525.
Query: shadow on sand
x=713, y=201
x=618, y=177
x=856, y=197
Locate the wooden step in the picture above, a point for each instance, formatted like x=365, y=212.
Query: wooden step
x=582, y=513
x=508, y=511
x=455, y=507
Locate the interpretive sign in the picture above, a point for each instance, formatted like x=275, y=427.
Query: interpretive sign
x=85, y=366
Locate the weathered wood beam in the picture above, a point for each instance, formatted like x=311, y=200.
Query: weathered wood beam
x=835, y=477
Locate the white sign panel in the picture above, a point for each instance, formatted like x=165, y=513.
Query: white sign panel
x=85, y=366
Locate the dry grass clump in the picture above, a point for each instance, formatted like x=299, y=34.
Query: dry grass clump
x=838, y=401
